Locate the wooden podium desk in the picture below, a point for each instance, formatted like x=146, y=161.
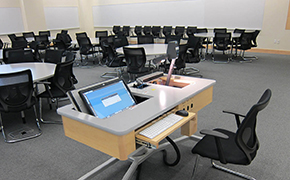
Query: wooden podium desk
x=116, y=136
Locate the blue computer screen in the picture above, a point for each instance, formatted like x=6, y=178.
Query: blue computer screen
x=109, y=100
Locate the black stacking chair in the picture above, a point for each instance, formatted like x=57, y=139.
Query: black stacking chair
x=138, y=30
x=167, y=30
x=18, y=41
x=156, y=31
x=41, y=33
x=64, y=31
x=113, y=60
x=147, y=30
x=101, y=34
x=16, y=96
x=18, y=56
x=116, y=29
x=57, y=86
x=254, y=38
x=135, y=60
x=220, y=30
x=81, y=35
x=194, y=56
x=239, y=147
x=126, y=31
x=28, y=34
x=190, y=30
x=86, y=47
x=221, y=42
x=147, y=39
x=236, y=40
x=245, y=44
x=53, y=56
x=179, y=31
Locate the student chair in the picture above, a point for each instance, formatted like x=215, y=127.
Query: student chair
x=238, y=147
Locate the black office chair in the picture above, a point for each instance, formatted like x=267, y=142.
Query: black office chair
x=19, y=56
x=220, y=30
x=28, y=34
x=194, y=56
x=112, y=60
x=16, y=95
x=138, y=30
x=41, y=33
x=156, y=31
x=116, y=29
x=57, y=86
x=86, y=48
x=254, y=41
x=18, y=41
x=179, y=31
x=221, y=42
x=135, y=60
x=53, y=56
x=120, y=41
x=238, y=147
x=126, y=31
x=236, y=40
x=81, y=35
x=245, y=44
x=167, y=31
x=147, y=39
x=190, y=30
x=147, y=30
x=64, y=31
x=99, y=34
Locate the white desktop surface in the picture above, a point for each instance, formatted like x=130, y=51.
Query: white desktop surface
x=150, y=49
x=40, y=71
x=162, y=98
x=212, y=34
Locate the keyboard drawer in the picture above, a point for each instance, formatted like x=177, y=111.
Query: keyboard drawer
x=187, y=124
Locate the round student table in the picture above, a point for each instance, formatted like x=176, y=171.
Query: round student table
x=40, y=71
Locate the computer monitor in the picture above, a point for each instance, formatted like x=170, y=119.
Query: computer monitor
x=172, y=53
x=105, y=101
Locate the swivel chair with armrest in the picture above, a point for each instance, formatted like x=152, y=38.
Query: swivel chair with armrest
x=16, y=95
x=57, y=87
x=221, y=42
x=238, y=147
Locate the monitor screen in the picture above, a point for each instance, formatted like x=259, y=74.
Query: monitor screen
x=105, y=101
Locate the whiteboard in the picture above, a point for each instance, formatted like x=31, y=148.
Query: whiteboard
x=202, y=13
x=61, y=17
x=11, y=20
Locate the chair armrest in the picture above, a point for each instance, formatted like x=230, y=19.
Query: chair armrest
x=214, y=133
x=237, y=116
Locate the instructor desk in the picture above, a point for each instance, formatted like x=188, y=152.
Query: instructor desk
x=115, y=136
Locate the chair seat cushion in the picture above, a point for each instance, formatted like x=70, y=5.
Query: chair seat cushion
x=206, y=147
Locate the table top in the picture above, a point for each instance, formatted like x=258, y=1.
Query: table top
x=40, y=71
x=150, y=49
x=212, y=34
x=160, y=99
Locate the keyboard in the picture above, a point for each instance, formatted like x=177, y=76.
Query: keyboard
x=160, y=126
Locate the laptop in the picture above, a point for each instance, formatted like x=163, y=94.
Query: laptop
x=108, y=98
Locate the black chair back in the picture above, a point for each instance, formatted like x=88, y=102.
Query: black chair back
x=201, y=30
x=147, y=30
x=116, y=29
x=126, y=30
x=246, y=41
x=222, y=40
x=101, y=34
x=20, y=55
x=81, y=35
x=254, y=38
x=194, y=44
x=147, y=39
x=135, y=59
x=28, y=34
x=53, y=56
x=246, y=137
x=190, y=30
x=179, y=31
x=16, y=91
x=220, y=30
x=44, y=33
x=138, y=30
x=84, y=44
x=167, y=30
x=156, y=30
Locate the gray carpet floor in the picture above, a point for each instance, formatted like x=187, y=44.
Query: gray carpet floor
x=239, y=85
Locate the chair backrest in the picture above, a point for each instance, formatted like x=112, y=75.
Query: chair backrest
x=81, y=35
x=246, y=137
x=16, y=91
x=246, y=40
x=167, y=30
x=220, y=30
x=126, y=30
x=156, y=30
x=138, y=30
x=135, y=59
x=112, y=60
x=190, y=30
x=84, y=44
x=64, y=31
x=1, y=44
x=42, y=39
x=239, y=30
x=194, y=43
x=70, y=56
x=19, y=42
x=20, y=55
x=182, y=56
x=254, y=38
x=12, y=37
x=147, y=30
x=53, y=56
x=147, y=39
x=62, y=76
x=44, y=33
x=28, y=34
x=222, y=40
x=101, y=34
x=116, y=29
x=169, y=38
x=201, y=30
x=120, y=41
x=179, y=30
